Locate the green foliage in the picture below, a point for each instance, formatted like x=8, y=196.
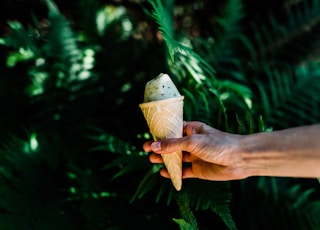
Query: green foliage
x=183, y=224
x=211, y=196
x=74, y=83
x=285, y=93
x=182, y=59
x=30, y=188
x=289, y=198
x=289, y=41
x=186, y=64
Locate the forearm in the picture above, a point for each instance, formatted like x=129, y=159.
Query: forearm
x=292, y=152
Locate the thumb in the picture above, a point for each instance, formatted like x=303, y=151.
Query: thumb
x=170, y=145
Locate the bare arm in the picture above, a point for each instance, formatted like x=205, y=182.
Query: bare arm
x=293, y=152
x=216, y=155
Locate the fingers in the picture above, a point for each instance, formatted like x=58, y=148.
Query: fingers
x=186, y=173
x=155, y=158
x=204, y=171
x=164, y=146
x=173, y=145
x=192, y=127
x=176, y=144
x=186, y=143
x=164, y=173
x=147, y=146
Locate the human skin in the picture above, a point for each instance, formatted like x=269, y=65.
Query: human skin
x=220, y=156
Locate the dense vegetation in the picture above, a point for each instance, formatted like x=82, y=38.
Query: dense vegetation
x=72, y=76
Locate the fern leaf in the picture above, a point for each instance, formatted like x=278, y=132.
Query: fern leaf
x=26, y=202
x=184, y=225
x=289, y=198
x=181, y=55
x=62, y=44
x=149, y=182
x=128, y=164
x=222, y=53
x=198, y=104
x=285, y=97
x=186, y=213
x=211, y=196
x=290, y=40
x=20, y=37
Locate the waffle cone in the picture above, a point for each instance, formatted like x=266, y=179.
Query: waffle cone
x=165, y=120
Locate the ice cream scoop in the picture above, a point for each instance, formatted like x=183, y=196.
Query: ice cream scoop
x=160, y=88
x=162, y=108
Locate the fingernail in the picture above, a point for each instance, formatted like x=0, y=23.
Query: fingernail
x=156, y=146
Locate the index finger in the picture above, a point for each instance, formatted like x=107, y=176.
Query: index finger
x=192, y=127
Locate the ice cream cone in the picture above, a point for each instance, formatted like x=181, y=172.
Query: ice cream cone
x=165, y=120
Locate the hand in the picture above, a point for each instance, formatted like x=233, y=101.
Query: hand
x=213, y=154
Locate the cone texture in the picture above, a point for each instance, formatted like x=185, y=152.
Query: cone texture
x=165, y=120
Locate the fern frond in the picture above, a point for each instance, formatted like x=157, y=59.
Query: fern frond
x=291, y=97
x=221, y=52
x=25, y=201
x=197, y=105
x=187, y=62
x=290, y=39
x=20, y=37
x=182, y=58
x=127, y=164
x=199, y=195
x=163, y=15
x=129, y=160
x=290, y=199
x=214, y=196
x=184, y=225
x=113, y=144
x=188, y=221
x=149, y=182
x=62, y=44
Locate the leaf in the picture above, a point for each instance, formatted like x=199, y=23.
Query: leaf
x=181, y=56
x=208, y=195
x=149, y=182
x=183, y=224
x=128, y=164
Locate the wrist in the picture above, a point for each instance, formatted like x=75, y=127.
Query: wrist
x=261, y=155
